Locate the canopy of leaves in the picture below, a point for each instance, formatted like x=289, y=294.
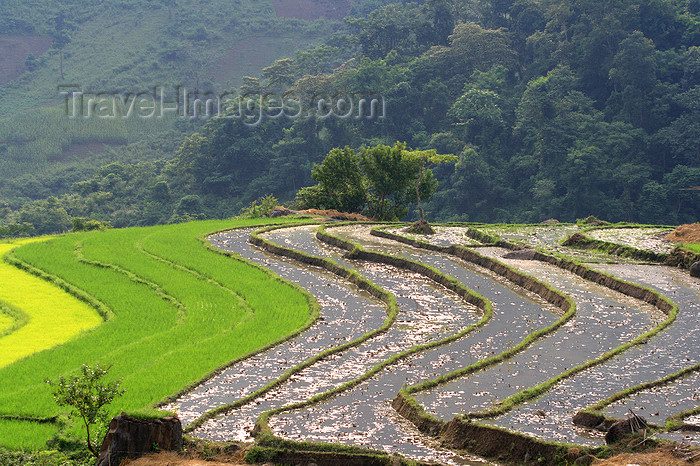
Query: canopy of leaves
x=88, y=396
x=557, y=109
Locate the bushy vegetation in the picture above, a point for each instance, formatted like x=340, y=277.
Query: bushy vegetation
x=260, y=208
x=379, y=181
x=88, y=397
x=555, y=110
x=126, y=47
x=171, y=299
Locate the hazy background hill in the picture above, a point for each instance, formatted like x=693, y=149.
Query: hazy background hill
x=555, y=109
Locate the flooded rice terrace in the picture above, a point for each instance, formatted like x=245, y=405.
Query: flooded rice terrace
x=362, y=415
x=673, y=349
x=650, y=239
x=426, y=314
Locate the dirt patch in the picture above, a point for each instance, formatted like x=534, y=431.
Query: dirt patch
x=662, y=455
x=173, y=459
x=421, y=227
x=689, y=233
x=311, y=9
x=14, y=51
x=592, y=220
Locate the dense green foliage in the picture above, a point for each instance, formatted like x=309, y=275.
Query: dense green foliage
x=379, y=181
x=171, y=300
x=555, y=110
x=130, y=46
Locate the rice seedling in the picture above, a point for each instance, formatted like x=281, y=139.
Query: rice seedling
x=25, y=435
x=53, y=316
x=180, y=311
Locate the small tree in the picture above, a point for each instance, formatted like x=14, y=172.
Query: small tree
x=260, y=207
x=390, y=177
x=88, y=395
x=425, y=161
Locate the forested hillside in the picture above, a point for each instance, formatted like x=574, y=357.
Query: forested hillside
x=555, y=109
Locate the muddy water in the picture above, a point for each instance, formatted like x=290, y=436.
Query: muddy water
x=601, y=323
x=673, y=350
x=345, y=316
x=650, y=239
x=550, y=237
x=544, y=236
x=604, y=320
x=426, y=314
x=659, y=403
x=669, y=352
x=444, y=236
x=359, y=416
x=363, y=416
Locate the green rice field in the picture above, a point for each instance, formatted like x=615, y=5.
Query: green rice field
x=52, y=315
x=175, y=312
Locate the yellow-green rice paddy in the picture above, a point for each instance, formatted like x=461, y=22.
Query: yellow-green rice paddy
x=53, y=315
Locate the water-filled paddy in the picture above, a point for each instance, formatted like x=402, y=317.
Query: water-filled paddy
x=363, y=416
x=426, y=314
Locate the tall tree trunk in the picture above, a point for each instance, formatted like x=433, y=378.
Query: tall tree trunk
x=61, y=55
x=420, y=208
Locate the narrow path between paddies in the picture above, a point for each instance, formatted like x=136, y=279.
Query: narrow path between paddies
x=363, y=415
x=54, y=316
x=426, y=313
x=11, y=319
x=635, y=365
x=345, y=315
x=604, y=320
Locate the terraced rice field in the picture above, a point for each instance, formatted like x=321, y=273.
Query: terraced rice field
x=37, y=315
x=648, y=239
x=166, y=299
x=459, y=327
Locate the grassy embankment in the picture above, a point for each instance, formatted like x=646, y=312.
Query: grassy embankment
x=172, y=300
x=692, y=247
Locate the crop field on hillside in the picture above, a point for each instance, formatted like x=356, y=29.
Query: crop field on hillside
x=51, y=316
x=166, y=298
x=418, y=335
